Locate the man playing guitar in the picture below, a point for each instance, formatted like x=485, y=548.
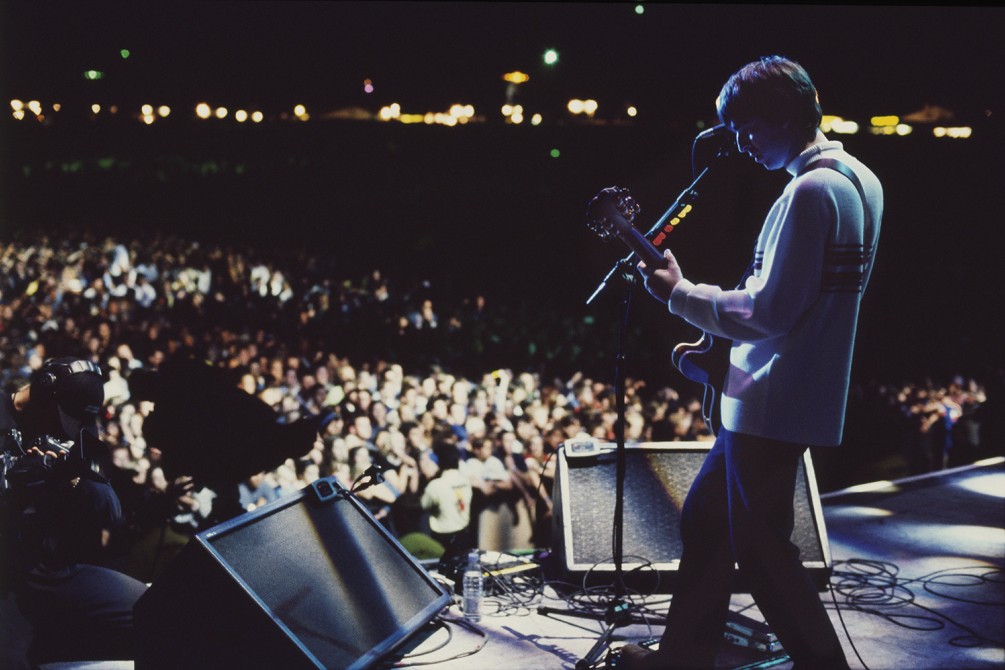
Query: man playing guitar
x=792, y=327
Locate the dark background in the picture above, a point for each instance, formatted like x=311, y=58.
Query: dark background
x=484, y=207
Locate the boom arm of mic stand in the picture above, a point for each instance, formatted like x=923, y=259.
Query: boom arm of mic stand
x=624, y=265
x=686, y=197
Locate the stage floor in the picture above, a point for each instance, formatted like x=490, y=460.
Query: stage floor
x=919, y=582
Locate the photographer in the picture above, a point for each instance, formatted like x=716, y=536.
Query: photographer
x=58, y=510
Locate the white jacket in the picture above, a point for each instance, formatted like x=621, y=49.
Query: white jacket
x=793, y=322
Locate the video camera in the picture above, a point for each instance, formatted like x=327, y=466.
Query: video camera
x=23, y=472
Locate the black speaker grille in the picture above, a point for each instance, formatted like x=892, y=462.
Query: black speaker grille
x=334, y=582
x=656, y=483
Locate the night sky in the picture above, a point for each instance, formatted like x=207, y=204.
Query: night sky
x=669, y=60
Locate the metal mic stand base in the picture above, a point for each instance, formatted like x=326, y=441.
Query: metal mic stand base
x=635, y=619
x=618, y=615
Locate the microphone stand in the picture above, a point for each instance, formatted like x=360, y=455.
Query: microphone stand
x=618, y=612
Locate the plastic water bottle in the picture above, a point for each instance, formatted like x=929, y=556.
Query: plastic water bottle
x=472, y=585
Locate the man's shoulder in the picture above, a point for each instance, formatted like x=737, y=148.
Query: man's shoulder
x=838, y=173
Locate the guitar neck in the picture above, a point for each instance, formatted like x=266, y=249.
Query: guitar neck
x=642, y=247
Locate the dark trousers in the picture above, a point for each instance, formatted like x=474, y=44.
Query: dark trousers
x=739, y=509
x=83, y=613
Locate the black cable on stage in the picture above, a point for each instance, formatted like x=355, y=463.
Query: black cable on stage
x=406, y=663
x=991, y=575
x=595, y=601
x=540, y=480
x=844, y=627
x=872, y=586
x=440, y=625
x=514, y=596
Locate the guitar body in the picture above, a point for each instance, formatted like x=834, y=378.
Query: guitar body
x=705, y=362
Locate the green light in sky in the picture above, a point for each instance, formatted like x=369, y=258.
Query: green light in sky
x=639, y=9
x=555, y=153
x=550, y=57
x=125, y=53
x=93, y=75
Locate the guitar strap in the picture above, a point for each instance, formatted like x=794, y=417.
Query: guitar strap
x=838, y=166
x=746, y=275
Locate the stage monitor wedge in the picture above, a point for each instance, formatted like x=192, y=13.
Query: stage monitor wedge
x=658, y=476
x=308, y=581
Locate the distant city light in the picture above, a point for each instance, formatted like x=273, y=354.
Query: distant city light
x=17, y=108
x=445, y=119
x=550, y=57
x=392, y=111
x=887, y=128
x=577, y=106
x=459, y=113
x=93, y=75
x=961, y=132
x=513, y=113
x=885, y=121
x=843, y=127
x=463, y=113
x=838, y=125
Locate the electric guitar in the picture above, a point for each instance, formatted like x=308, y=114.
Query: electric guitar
x=611, y=214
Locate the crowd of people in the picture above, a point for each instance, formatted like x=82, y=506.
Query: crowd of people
x=414, y=402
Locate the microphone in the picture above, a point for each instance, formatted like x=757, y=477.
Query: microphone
x=369, y=477
x=376, y=474
x=720, y=132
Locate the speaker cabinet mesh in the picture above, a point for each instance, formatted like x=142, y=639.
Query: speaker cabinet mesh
x=658, y=477
x=298, y=583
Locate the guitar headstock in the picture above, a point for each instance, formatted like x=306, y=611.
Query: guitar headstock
x=612, y=212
